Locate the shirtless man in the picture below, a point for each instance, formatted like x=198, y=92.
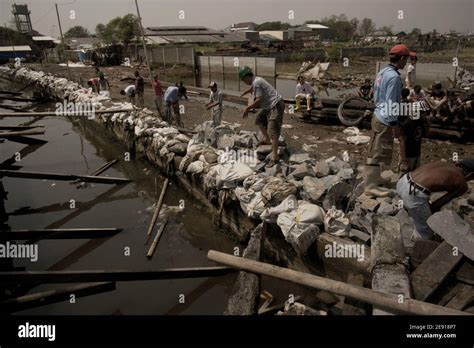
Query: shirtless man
x=416, y=187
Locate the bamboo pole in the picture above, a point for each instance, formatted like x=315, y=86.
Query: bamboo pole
x=52, y=296
x=86, y=276
x=382, y=300
x=104, y=167
x=157, y=210
x=66, y=177
x=153, y=245
x=56, y=113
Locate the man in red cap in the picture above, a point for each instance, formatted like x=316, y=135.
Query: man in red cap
x=387, y=99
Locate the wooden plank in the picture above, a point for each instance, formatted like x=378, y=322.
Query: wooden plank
x=52, y=296
x=113, y=275
x=422, y=248
x=66, y=177
x=157, y=210
x=432, y=272
x=20, y=133
x=60, y=233
x=19, y=127
x=388, y=302
x=465, y=273
x=104, y=167
x=463, y=298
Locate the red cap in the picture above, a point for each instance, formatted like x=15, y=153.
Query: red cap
x=401, y=50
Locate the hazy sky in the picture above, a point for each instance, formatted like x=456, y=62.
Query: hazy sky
x=442, y=15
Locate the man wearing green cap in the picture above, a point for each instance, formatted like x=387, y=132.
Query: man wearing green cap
x=416, y=187
x=270, y=118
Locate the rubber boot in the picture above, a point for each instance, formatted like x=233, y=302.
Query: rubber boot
x=372, y=181
x=308, y=103
x=298, y=104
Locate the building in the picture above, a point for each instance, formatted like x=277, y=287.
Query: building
x=281, y=35
x=310, y=32
x=11, y=52
x=189, y=35
x=243, y=26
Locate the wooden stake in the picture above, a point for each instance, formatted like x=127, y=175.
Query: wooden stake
x=382, y=300
x=104, y=167
x=65, y=177
x=106, y=276
x=20, y=133
x=153, y=245
x=157, y=210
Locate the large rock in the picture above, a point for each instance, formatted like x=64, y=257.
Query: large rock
x=299, y=157
x=316, y=188
x=302, y=170
x=367, y=203
x=336, y=164
x=179, y=149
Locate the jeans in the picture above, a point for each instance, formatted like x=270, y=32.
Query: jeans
x=417, y=205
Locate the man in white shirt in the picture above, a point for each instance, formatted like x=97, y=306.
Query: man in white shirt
x=303, y=90
x=410, y=79
x=129, y=92
x=215, y=103
x=416, y=94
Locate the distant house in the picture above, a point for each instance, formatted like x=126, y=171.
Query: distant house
x=244, y=26
x=82, y=43
x=310, y=32
x=281, y=35
x=189, y=35
x=45, y=41
x=11, y=52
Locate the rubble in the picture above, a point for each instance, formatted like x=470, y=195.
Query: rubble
x=321, y=169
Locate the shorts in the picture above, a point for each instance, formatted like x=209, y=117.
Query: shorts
x=272, y=119
x=417, y=205
x=381, y=144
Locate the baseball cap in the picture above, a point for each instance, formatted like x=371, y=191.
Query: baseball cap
x=401, y=50
x=212, y=84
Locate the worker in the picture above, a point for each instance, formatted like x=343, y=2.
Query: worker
x=215, y=103
x=139, y=89
x=387, y=96
x=129, y=92
x=94, y=84
x=104, y=85
x=410, y=79
x=172, y=96
x=366, y=91
x=182, y=90
x=304, y=90
x=416, y=187
x=270, y=118
x=416, y=94
x=158, y=94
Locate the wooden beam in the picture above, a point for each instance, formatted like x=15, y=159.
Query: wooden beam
x=465, y=273
x=104, y=167
x=20, y=133
x=433, y=270
x=157, y=210
x=114, y=275
x=463, y=298
x=52, y=296
x=382, y=300
x=60, y=233
x=55, y=113
x=153, y=245
x=18, y=127
x=65, y=177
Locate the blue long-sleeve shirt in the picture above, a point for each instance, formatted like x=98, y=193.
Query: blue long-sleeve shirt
x=387, y=95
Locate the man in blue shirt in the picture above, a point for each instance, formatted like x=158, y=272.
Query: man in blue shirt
x=172, y=96
x=387, y=99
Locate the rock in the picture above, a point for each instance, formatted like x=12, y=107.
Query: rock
x=407, y=227
x=316, y=188
x=336, y=223
x=179, y=149
x=454, y=230
x=336, y=164
x=345, y=173
x=461, y=206
x=387, y=208
x=264, y=149
x=368, y=203
x=302, y=170
x=359, y=236
x=210, y=157
x=274, y=170
x=337, y=195
x=470, y=199
x=389, y=175
x=321, y=169
x=299, y=157
x=225, y=141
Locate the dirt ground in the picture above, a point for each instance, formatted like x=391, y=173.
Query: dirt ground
x=320, y=139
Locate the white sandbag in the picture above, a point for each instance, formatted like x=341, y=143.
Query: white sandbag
x=271, y=214
x=230, y=174
x=251, y=202
x=351, y=131
x=196, y=167
x=358, y=139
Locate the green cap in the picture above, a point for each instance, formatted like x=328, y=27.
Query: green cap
x=244, y=71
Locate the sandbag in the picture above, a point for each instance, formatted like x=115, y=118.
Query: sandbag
x=277, y=190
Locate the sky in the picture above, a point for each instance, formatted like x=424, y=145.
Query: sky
x=442, y=15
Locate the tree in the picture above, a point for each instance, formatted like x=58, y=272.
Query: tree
x=274, y=26
x=415, y=32
x=367, y=27
x=341, y=28
x=387, y=30
x=77, y=31
x=118, y=30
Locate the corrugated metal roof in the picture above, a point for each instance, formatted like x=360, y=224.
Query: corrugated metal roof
x=43, y=38
x=181, y=31
x=316, y=26
x=14, y=48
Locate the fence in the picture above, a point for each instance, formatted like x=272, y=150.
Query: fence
x=225, y=70
x=348, y=52
x=167, y=56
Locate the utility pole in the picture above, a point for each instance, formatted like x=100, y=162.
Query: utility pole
x=62, y=42
x=144, y=51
